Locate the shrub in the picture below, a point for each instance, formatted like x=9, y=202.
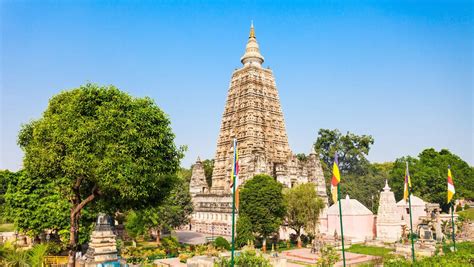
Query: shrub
x=183, y=257
x=221, y=243
x=329, y=256
x=247, y=258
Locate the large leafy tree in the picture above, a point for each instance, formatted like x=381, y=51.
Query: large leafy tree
x=261, y=201
x=98, y=145
x=303, y=207
x=366, y=188
x=173, y=212
x=429, y=176
x=351, y=149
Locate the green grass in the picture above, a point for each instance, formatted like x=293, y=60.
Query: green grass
x=7, y=227
x=369, y=250
x=468, y=214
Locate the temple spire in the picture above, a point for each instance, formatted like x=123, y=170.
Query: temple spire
x=252, y=54
x=252, y=30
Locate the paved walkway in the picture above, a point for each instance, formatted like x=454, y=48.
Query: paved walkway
x=193, y=238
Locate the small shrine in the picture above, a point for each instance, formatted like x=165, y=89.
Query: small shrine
x=389, y=219
x=102, y=247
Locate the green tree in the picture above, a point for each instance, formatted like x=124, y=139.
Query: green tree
x=261, y=200
x=244, y=231
x=351, y=149
x=366, y=188
x=98, y=145
x=303, y=207
x=174, y=211
x=428, y=175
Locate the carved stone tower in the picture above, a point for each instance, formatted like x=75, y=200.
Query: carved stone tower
x=253, y=115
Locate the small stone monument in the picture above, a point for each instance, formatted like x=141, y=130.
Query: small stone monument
x=102, y=247
x=389, y=221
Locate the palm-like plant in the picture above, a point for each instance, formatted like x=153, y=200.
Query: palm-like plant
x=12, y=256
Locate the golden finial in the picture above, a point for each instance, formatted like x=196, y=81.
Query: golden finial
x=252, y=31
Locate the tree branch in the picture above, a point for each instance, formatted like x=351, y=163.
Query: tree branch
x=95, y=192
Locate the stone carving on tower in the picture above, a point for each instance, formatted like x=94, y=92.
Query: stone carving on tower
x=254, y=116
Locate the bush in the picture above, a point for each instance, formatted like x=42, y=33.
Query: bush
x=183, y=257
x=170, y=242
x=221, y=243
x=464, y=256
x=247, y=258
x=329, y=256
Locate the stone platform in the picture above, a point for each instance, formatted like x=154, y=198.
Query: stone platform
x=305, y=256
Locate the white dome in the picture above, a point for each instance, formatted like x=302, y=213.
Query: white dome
x=349, y=207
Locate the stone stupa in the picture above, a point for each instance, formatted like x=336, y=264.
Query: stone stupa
x=103, y=246
x=389, y=221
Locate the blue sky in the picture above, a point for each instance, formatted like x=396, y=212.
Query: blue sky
x=401, y=71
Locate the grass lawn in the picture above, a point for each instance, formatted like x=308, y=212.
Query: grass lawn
x=7, y=227
x=469, y=214
x=369, y=250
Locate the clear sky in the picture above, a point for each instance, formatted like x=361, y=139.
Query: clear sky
x=401, y=71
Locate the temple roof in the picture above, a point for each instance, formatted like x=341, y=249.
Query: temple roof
x=349, y=207
x=252, y=51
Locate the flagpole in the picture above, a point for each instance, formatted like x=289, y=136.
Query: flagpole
x=452, y=223
x=411, y=226
x=233, y=207
x=342, y=231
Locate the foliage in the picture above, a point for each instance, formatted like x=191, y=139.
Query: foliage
x=248, y=257
x=174, y=211
x=92, y=142
x=366, y=188
x=361, y=180
x=183, y=257
x=5, y=177
x=221, y=243
x=328, y=256
x=10, y=255
x=134, y=225
x=464, y=256
x=429, y=175
x=369, y=250
x=303, y=207
x=143, y=255
x=244, y=231
x=467, y=214
x=261, y=201
x=351, y=149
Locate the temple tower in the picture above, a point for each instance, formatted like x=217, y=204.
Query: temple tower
x=254, y=116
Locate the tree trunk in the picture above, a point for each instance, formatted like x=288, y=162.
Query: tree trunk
x=78, y=205
x=264, y=245
x=158, y=236
x=299, y=243
x=72, y=239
